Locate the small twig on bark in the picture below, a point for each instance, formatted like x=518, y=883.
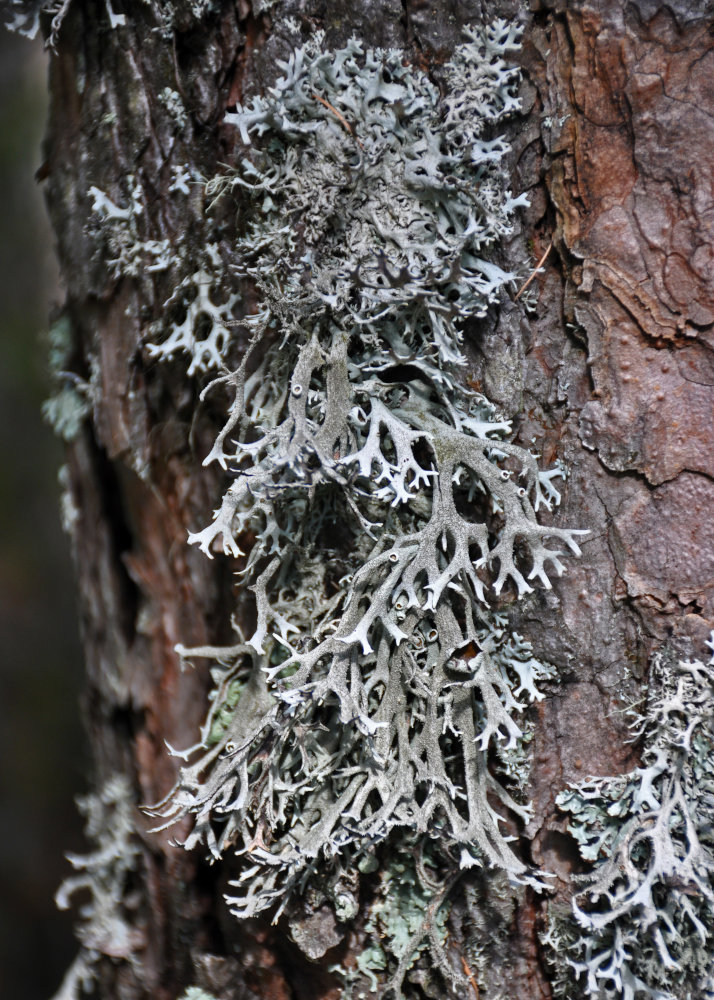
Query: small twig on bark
x=470, y=976
x=427, y=925
x=343, y=121
x=535, y=270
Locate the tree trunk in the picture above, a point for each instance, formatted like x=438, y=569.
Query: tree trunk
x=604, y=364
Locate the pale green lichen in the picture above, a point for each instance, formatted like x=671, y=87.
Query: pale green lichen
x=644, y=919
x=69, y=513
x=226, y=700
x=66, y=411
x=406, y=917
x=70, y=404
x=201, y=313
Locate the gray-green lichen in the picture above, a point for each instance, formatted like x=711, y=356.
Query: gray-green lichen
x=108, y=925
x=205, y=329
x=127, y=253
x=66, y=410
x=408, y=915
x=644, y=920
x=385, y=499
x=70, y=403
x=173, y=103
x=201, y=312
x=22, y=16
x=26, y=16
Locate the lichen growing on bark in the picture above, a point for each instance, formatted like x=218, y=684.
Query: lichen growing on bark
x=644, y=918
x=109, y=925
x=383, y=499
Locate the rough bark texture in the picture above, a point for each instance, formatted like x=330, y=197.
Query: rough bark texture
x=611, y=371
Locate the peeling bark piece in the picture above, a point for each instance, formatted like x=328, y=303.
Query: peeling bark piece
x=653, y=411
x=664, y=543
x=634, y=187
x=316, y=933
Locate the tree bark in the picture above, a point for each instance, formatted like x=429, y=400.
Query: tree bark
x=609, y=370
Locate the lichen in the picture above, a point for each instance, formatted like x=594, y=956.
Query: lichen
x=205, y=329
x=23, y=16
x=70, y=404
x=201, y=313
x=174, y=105
x=127, y=253
x=26, y=16
x=644, y=919
x=407, y=916
x=383, y=499
x=108, y=925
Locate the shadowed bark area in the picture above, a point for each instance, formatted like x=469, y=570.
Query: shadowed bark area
x=608, y=368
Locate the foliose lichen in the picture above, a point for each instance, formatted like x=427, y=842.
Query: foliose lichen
x=71, y=402
x=23, y=16
x=174, y=104
x=26, y=16
x=383, y=498
x=108, y=925
x=644, y=919
x=127, y=253
x=406, y=917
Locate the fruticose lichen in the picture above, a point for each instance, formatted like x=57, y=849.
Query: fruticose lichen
x=645, y=917
x=380, y=499
x=108, y=924
x=127, y=254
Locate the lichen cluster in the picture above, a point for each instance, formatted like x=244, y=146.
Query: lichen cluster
x=27, y=16
x=109, y=925
x=377, y=498
x=24, y=16
x=645, y=917
x=406, y=917
x=70, y=403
